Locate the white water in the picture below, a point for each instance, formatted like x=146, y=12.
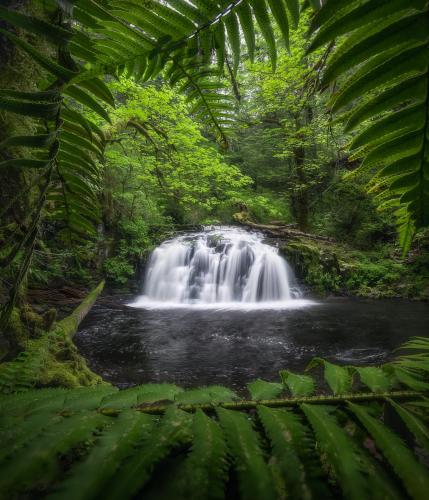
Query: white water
x=219, y=268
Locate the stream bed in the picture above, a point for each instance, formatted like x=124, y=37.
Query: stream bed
x=201, y=346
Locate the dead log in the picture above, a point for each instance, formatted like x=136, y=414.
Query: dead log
x=70, y=324
x=279, y=231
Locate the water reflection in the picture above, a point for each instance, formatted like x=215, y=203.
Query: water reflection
x=197, y=347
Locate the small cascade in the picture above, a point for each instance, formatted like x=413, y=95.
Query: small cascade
x=218, y=266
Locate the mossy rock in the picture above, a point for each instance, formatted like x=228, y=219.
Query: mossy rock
x=316, y=267
x=34, y=323
x=15, y=332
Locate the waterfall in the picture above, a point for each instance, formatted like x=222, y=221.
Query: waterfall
x=218, y=266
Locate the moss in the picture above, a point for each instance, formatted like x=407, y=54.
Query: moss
x=16, y=332
x=51, y=360
x=64, y=366
x=34, y=322
x=381, y=273
x=49, y=318
x=317, y=267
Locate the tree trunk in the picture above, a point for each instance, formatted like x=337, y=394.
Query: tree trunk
x=300, y=203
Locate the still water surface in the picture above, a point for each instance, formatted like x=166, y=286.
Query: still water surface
x=194, y=347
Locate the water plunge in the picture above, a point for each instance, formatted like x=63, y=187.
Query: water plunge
x=217, y=266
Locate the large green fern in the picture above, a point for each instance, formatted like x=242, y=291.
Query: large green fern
x=380, y=66
x=159, y=441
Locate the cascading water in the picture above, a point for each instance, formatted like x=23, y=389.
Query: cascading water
x=217, y=266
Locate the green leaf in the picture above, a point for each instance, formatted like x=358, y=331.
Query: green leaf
x=293, y=8
x=233, y=31
x=147, y=393
x=213, y=394
x=55, y=34
x=337, y=377
x=259, y=389
x=24, y=163
x=29, y=141
x=260, y=11
x=99, y=89
x=414, y=424
x=299, y=385
x=206, y=465
x=374, y=378
x=253, y=474
x=77, y=140
x=174, y=430
x=294, y=453
x=413, y=474
x=48, y=111
x=86, y=99
x=86, y=398
x=88, y=479
x=37, y=463
x=363, y=14
x=341, y=452
x=279, y=12
x=246, y=22
x=60, y=72
x=410, y=379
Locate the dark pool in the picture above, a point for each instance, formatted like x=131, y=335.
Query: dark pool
x=196, y=347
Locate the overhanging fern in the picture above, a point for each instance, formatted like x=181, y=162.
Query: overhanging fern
x=143, y=39
x=381, y=66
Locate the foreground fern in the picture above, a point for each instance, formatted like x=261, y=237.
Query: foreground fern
x=382, y=70
x=160, y=441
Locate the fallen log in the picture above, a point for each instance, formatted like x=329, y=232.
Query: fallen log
x=52, y=359
x=71, y=323
x=277, y=231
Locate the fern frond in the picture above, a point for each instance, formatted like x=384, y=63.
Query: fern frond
x=413, y=474
x=116, y=443
x=383, y=69
x=374, y=378
x=299, y=385
x=414, y=424
x=213, y=394
x=206, y=465
x=148, y=393
x=340, y=449
x=243, y=443
x=260, y=389
x=338, y=377
x=37, y=463
x=174, y=430
x=294, y=454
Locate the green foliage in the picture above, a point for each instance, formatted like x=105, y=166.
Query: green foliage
x=382, y=70
x=206, y=464
x=400, y=457
x=337, y=377
x=299, y=385
x=294, y=454
x=118, y=269
x=243, y=442
x=88, y=40
x=260, y=389
x=333, y=267
x=51, y=359
x=168, y=173
x=98, y=441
